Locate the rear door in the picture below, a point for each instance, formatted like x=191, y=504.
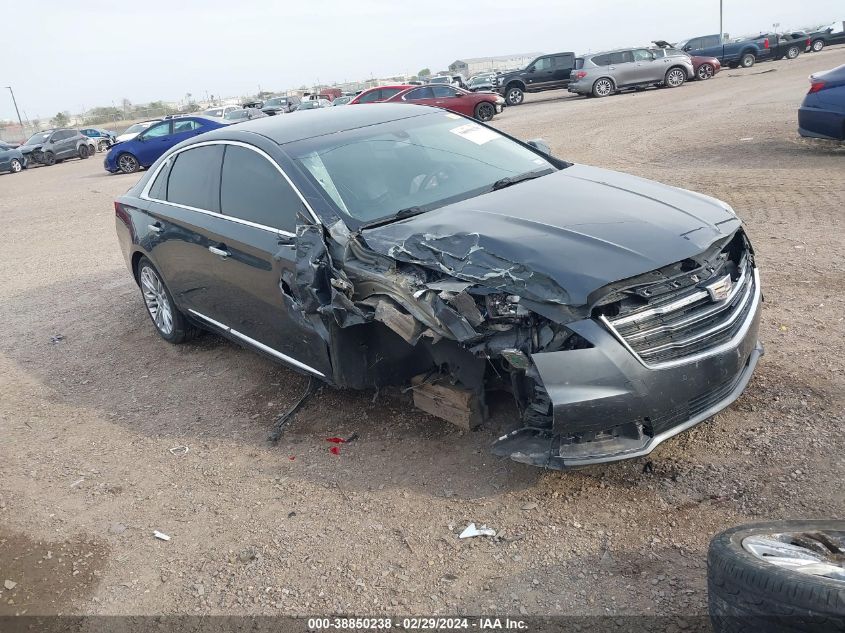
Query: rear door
x=622, y=68
x=153, y=142
x=562, y=66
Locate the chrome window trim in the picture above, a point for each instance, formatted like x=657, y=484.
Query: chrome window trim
x=258, y=344
x=145, y=193
x=686, y=360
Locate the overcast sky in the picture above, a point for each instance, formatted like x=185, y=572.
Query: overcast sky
x=75, y=54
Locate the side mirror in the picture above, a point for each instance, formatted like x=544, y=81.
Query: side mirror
x=540, y=145
x=530, y=69
x=687, y=48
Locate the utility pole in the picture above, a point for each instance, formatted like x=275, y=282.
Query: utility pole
x=16, y=106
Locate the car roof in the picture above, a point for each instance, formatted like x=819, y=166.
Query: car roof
x=322, y=121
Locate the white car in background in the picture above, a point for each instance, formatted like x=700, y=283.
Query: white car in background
x=134, y=130
x=220, y=111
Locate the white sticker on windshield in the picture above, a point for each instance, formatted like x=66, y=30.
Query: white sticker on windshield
x=475, y=133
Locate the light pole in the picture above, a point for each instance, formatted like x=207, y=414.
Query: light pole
x=721, y=24
x=16, y=106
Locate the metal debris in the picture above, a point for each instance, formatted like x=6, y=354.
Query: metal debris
x=471, y=531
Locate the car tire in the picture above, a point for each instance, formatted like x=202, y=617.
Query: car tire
x=514, y=95
x=49, y=158
x=15, y=166
x=169, y=322
x=817, y=45
x=485, y=111
x=83, y=151
x=793, y=52
x=705, y=72
x=748, y=592
x=603, y=87
x=747, y=60
x=102, y=146
x=127, y=163
x=675, y=77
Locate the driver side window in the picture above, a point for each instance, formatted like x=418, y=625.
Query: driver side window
x=158, y=130
x=544, y=63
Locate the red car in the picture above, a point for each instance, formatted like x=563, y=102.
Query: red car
x=378, y=94
x=479, y=105
x=705, y=67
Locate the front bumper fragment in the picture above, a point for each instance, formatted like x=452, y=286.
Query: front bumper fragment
x=608, y=406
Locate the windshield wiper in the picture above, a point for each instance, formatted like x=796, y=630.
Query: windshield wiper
x=402, y=213
x=513, y=180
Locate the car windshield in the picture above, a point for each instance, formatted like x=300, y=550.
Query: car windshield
x=40, y=137
x=236, y=115
x=418, y=164
x=440, y=80
x=479, y=80
x=138, y=127
x=307, y=105
x=214, y=112
x=275, y=102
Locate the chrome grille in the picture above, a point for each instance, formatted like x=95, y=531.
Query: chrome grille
x=689, y=324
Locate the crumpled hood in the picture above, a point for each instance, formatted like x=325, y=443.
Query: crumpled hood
x=560, y=237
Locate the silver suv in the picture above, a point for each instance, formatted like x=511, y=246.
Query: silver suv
x=602, y=74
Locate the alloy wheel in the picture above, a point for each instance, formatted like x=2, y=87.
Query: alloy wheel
x=675, y=77
x=705, y=71
x=158, y=305
x=818, y=45
x=792, y=53
x=127, y=163
x=515, y=96
x=818, y=553
x=485, y=112
x=16, y=166
x=603, y=87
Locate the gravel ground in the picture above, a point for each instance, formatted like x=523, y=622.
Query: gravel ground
x=92, y=401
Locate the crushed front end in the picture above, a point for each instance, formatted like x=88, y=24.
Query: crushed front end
x=657, y=355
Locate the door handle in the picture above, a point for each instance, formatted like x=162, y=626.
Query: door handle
x=155, y=228
x=222, y=252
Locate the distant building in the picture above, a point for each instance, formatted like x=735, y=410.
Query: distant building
x=476, y=65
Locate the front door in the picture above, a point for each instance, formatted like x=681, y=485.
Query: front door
x=540, y=74
x=452, y=99
x=646, y=68
x=153, y=142
x=254, y=264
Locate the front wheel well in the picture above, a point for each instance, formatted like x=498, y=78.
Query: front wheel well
x=515, y=83
x=679, y=67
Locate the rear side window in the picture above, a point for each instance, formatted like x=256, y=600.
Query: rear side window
x=185, y=126
x=579, y=63
x=195, y=178
x=622, y=57
x=562, y=61
x=601, y=60
x=252, y=189
x=370, y=97
x=386, y=93
x=420, y=93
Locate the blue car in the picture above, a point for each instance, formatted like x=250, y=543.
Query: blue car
x=103, y=138
x=822, y=114
x=11, y=158
x=143, y=150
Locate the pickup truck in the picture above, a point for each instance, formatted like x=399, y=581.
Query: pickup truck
x=742, y=53
x=547, y=72
x=827, y=36
x=789, y=45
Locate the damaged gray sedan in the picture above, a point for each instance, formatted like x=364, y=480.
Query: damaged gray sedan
x=401, y=244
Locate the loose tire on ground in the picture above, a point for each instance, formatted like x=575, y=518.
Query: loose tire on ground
x=169, y=322
x=748, y=593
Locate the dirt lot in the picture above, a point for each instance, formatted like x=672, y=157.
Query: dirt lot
x=92, y=401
